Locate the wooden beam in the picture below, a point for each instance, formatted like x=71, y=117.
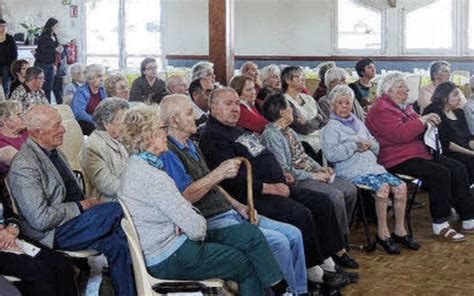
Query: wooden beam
x=221, y=38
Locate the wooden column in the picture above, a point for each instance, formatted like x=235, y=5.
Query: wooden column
x=221, y=38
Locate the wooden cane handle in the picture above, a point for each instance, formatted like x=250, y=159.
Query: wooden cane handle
x=250, y=204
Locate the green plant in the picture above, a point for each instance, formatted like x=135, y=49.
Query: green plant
x=31, y=30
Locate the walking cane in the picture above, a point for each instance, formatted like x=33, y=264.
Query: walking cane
x=250, y=204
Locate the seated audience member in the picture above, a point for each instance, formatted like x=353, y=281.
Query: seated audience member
x=308, y=117
x=174, y=237
x=18, y=72
x=116, y=86
x=12, y=133
x=76, y=72
x=348, y=145
x=285, y=144
x=271, y=82
x=440, y=71
x=469, y=107
x=222, y=139
x=199, y=91
x=399, y=131
x=31, y=92
x=322, y=89
x=250, y=118
x=366, y=71
x=338, y=76
x=88, y=96
x=53, y=210
x=186, y=166
x=148, y=88
x=103, y=156
x=204, y=70
x=250, y=69
x=176, y=84
x=457, y=142
x=43, y=273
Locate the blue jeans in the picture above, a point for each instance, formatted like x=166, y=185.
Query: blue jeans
x=48, y=70
x=99, y=229
x=5, y=73
x=286, y=243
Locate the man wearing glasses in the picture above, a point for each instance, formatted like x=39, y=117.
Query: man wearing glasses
x=30, y=92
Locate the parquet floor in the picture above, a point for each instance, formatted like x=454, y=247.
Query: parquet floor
x=439, y=268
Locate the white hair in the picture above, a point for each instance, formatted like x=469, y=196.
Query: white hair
x=265, y=72
x=172, y=105
x=92, y=71
x=333, y=74
x=76, y=69
x=201, y=69
x=388, y=81
x=339, y=91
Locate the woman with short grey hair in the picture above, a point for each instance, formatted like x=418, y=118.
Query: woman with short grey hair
x=271, y=83
x=203, y=70
x=103, y=156
x=88, y=96
x=76, y=72
x=322, y=89
x=440, y=72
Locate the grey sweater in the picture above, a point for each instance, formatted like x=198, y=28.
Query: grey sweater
x=157, y=208
x=338, y=143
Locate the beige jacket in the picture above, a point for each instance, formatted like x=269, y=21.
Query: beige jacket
x=103, y=159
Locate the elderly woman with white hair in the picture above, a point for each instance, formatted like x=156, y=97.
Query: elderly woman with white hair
x=400, y=130
x=177, y=84
x=12, y=133
x=88, y=96
x=350, y=147
x=103, y=156
x=271, y=83
x=76, y=73
x=333, y=77
x=176, y=241
x=116, y=86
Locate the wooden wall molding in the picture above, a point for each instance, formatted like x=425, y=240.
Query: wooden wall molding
x=327, y=58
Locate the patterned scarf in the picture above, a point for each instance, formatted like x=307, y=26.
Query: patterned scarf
x=151, y=158
x=351, y=121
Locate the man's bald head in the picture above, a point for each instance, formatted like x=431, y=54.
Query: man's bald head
x=173, y=105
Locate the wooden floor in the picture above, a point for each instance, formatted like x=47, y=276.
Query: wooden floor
x=439, y=268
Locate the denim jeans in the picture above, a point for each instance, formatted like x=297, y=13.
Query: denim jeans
x=99, y=229
x=48, y=70
x=286, y=243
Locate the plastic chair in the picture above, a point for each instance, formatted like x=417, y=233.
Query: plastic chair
x=150, y=286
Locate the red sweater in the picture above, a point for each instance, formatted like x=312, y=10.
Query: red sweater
x=251, y=119
x=399, y=132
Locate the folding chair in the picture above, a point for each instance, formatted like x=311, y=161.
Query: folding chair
x=150, y=286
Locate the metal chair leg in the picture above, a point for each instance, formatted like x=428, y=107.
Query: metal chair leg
x=369, y=247
x=410, y=203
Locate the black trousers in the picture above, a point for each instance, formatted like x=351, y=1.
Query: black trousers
x=48, y=273
x=467, y=161
x=448, y=185
x=313, y=214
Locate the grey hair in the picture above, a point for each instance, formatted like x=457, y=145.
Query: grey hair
x=245, y=67
x=37, y=115
x=215, y=94
x=333, y=74
x=200, y=69
x=106, y=111
x=388, y=81
x=92, y=71
x=435, y=68
x=173, y=80
x=172, y=105
x=324, y=67
x=7, y=108
x=265, y=72
x=76, y=69
x=339, y=91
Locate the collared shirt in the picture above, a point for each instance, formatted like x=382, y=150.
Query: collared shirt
x=28, y=97
x=175, y=168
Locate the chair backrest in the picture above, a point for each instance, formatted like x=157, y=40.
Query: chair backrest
x=414, y=84
x=73, y=138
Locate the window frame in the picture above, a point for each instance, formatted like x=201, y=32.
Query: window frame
x=348, y=51
x=464, y=29
x=122, y=55
x=453, y=50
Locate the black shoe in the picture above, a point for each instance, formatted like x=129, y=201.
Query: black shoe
x=335, y=280
x=407, y=241
x=352, y=276
x=346, y=261
x=388, y=245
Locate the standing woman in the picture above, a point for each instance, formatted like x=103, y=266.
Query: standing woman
x=48, y=46
x=8, y=53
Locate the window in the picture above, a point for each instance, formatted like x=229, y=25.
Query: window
x=470, y=30
x=121, y=33
x=430, y=27
x=359, y=27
